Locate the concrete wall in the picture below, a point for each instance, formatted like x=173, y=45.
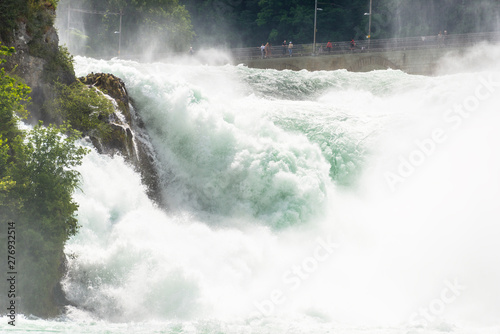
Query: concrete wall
x=421, y=61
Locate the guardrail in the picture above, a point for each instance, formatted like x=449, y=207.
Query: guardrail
x=375, y=45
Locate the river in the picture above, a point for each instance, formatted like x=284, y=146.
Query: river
x=294, y=202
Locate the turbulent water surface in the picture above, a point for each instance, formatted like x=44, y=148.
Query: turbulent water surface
x=294, y=202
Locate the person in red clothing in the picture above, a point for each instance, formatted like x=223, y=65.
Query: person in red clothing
x=329, y=46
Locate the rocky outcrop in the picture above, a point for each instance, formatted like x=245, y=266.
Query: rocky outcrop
x=39, y=62
x=128, y=136
x=121, y=139
x=112, y=86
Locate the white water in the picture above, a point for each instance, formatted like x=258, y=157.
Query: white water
x=284, y=187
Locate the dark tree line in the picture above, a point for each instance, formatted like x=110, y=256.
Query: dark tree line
x=174, y=25
x=248, y=23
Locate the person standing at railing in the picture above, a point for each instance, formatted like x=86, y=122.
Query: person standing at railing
x=262, y=48
x=290, y=48
x=440, y=39
x=353, y=44
x=267, y=49
x=284, y=46
x=329, y=46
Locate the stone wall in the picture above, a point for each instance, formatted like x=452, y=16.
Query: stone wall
x=422, y=61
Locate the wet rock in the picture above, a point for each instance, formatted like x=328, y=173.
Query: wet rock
x=128, y=137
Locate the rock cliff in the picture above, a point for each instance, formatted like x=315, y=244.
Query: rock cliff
x=38, y=62
x=128, y=137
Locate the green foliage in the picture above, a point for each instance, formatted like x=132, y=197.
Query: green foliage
x=84, y=108
x=232, y=23
x=37, y=14
x=37, y=180
x=59, y=66
x=10, y=12
x=6, y=182
x=38, y=17
x=36, y=190
x=13, y=94
x=46, y=178
x=252, y=22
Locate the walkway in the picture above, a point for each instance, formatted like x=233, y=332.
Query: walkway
x=376, y=45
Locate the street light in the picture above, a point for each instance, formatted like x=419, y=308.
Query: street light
x=315, y=15
x=119, y=32
x=369, y=24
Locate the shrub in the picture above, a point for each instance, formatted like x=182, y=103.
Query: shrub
x=85, y=108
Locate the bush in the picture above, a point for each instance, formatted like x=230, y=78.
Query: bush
x=59, y=66
x=10, y=12
x=86, y=109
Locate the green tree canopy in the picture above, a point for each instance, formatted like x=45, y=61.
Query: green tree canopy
x=239, y=23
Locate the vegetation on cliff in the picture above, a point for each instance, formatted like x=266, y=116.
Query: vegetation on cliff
x=83, y=107
x=37, y=167
x=37, y=180
x=36, y=14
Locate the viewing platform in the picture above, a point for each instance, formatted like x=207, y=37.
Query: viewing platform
x=416, y=55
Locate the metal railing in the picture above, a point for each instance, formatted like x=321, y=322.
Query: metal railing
x=375, y=45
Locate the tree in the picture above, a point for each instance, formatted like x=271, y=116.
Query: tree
x=46, y=178
x=37, y=180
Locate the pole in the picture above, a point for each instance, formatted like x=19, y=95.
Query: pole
x=315, y=14
x=120, y=33
x=370, y=26
x=69, y=20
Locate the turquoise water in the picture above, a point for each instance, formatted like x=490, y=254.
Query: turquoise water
x=295, y=202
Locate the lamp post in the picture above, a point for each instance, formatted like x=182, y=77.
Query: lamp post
x=119, y=32
x=369, y=24
x=315, y=16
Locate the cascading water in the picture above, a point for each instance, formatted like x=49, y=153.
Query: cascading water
x=298, y=202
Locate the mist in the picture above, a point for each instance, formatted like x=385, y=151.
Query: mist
x=402, y=18
x=103, y=30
